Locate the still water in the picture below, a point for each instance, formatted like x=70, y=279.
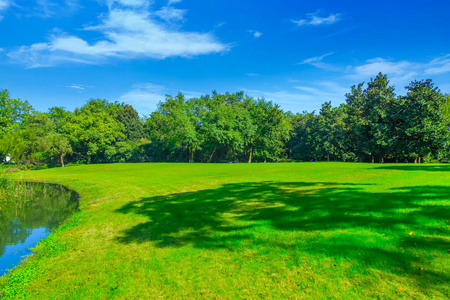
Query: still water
x=32, y=217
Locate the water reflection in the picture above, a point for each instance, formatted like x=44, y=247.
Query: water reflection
x=26, y=220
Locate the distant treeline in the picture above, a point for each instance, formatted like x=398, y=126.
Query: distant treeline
x=374, y=125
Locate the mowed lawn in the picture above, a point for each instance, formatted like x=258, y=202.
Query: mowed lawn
x=226, y=231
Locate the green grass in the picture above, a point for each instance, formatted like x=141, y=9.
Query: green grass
x=294, y=230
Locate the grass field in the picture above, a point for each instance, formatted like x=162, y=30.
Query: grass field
x=225, y=231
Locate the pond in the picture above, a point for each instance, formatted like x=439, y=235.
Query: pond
x=27, y=219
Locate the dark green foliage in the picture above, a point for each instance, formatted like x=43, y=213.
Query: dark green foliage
x=218, y=128
x=368, y=117
x=133, y=126
x=425, y=130
x=376, y=125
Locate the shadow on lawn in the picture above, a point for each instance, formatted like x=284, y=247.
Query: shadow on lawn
x=228, y=217
x=418, y=167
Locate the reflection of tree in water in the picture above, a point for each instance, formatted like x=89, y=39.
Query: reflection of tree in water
x=44, y=205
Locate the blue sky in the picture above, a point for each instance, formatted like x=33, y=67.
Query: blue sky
x=298, y=54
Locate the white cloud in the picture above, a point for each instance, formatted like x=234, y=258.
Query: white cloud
x=130, y=3
x=144, y=97
x=325, y=90
x=376, y=65
x=169, y=14
x=127, y=33
x=4, y=4
x=289, y=101
x=400, y=73
x=191, y=94
x=317, y=61
x=256, y=34
x=252, y=74
x=307, y=97
x=314, y=20
x=170, y=2
x=78, y=87
x=47, y=8
x=439, y=65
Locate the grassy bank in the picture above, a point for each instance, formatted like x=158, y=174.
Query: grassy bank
x=12, y=186
x=294, y=230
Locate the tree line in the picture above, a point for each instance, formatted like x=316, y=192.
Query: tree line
x=373, y=125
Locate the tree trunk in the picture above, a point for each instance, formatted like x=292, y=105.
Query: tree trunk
x=415, y=160
x=191, y=155
x=373, y=159
x=62, y=160
x=250, y=156
x=212, y=154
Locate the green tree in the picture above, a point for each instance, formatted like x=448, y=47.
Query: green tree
x=305, y=142
x=220, y=126
x=425, y=125
x=93, y=130
x=268, y=128
x=133, y=125
x=175, y=125
x=368, y=113
x=12, y=111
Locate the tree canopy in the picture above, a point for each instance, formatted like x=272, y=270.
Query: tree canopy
x=374, y=124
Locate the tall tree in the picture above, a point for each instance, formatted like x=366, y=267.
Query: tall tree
x=94, y=131
x=12, y=111
x=133, y=125
x=269, y=126
x=425, y=124
x=176, y=125
x=220, y=126
x=368, y=113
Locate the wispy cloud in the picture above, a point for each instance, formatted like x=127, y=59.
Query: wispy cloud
x=127, y=31
x=400, y=73
x=4, y=4
x=301, y=95
x=256, y=34
x=325, y=90
x=317, y=61
x=376, y=65
x=191, y=94
x=130, y=3
x=313, y=19
x=306, y=99
x=252, y=74
x=144, y=97
x=43, y=8
x=78, y=87
x=439, y=65
x=169, y=14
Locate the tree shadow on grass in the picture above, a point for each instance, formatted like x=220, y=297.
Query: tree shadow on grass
x=418, y=167
x=230, y=216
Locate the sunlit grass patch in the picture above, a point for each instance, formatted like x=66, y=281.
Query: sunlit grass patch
x=248, y=231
